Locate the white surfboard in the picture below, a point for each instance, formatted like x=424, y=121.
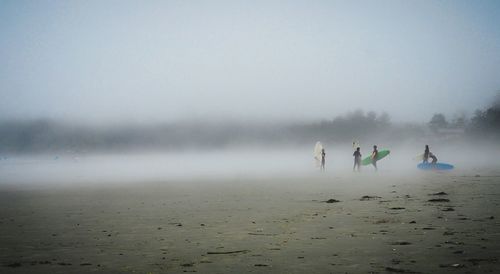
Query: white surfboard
x=418, y=157
x=355, y=144
x=318, y=148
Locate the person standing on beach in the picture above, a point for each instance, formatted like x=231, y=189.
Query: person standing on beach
x=374, y=157
x=357, y=159
x=426, y=155
x=323, y=155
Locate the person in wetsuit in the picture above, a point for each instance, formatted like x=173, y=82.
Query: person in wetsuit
x=426, y=154
x=357, y=159
x=374, y=156
x=323, y=155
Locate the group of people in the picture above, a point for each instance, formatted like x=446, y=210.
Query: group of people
x=357, y=158
x=374, y=157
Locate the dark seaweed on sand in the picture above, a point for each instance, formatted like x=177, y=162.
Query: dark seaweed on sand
x=368, y=197
x=438, y=200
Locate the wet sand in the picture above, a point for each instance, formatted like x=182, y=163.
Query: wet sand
x=374, y=223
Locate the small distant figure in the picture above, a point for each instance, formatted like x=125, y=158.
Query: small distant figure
x=323, y=155
x=374, y=157
x=357, y=159
x=433, y=157
x=426, y=155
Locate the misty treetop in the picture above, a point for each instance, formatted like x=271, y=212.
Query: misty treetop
x=346, y=127
x=486, y=123
x=368, y=128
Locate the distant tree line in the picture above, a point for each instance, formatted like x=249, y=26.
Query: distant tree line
x=343, y=128
x=483, y=124
x=45, y=135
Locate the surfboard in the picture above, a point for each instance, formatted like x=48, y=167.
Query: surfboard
x=381, y=154
x=355, y=144
x=418, y=157
x=436, y=166
x=318, y=148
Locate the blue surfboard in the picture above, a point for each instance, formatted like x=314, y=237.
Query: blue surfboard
x=436, y=166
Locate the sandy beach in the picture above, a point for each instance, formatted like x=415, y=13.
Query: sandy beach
x=327, y=223
x=220, y=137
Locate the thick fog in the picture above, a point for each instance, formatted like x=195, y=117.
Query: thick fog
x=156, y=61
x=95, y=92
x=233, y=164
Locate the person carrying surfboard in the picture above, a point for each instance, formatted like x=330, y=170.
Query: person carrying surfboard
x=357, y=159
x=374, y=156
x=323, y=155
x=425, y=158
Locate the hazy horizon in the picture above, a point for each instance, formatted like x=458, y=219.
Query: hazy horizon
x=167, y=61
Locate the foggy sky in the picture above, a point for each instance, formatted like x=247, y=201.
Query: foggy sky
x=264, y=60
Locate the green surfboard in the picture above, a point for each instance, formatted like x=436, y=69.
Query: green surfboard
x=381, y=154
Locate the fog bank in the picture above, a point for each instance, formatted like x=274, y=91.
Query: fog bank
x=235, y=164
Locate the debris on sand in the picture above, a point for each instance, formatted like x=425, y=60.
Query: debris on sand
x=383, y=221
x=368, y=197
x=399, y=270
x=187, y=265
x=13, y=265
x=448, y=209
x=453, y=243
x=401, y=243
x=475, y=261
x=397, y=208
x=227, y=252
x=330, y=201
x=438, y=200
x=452, y=265
x=261, y=265
x=261, y=234
x=441, y=193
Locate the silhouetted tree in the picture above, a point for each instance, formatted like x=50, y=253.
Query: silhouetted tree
x=486, y=122
x=438, y=121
